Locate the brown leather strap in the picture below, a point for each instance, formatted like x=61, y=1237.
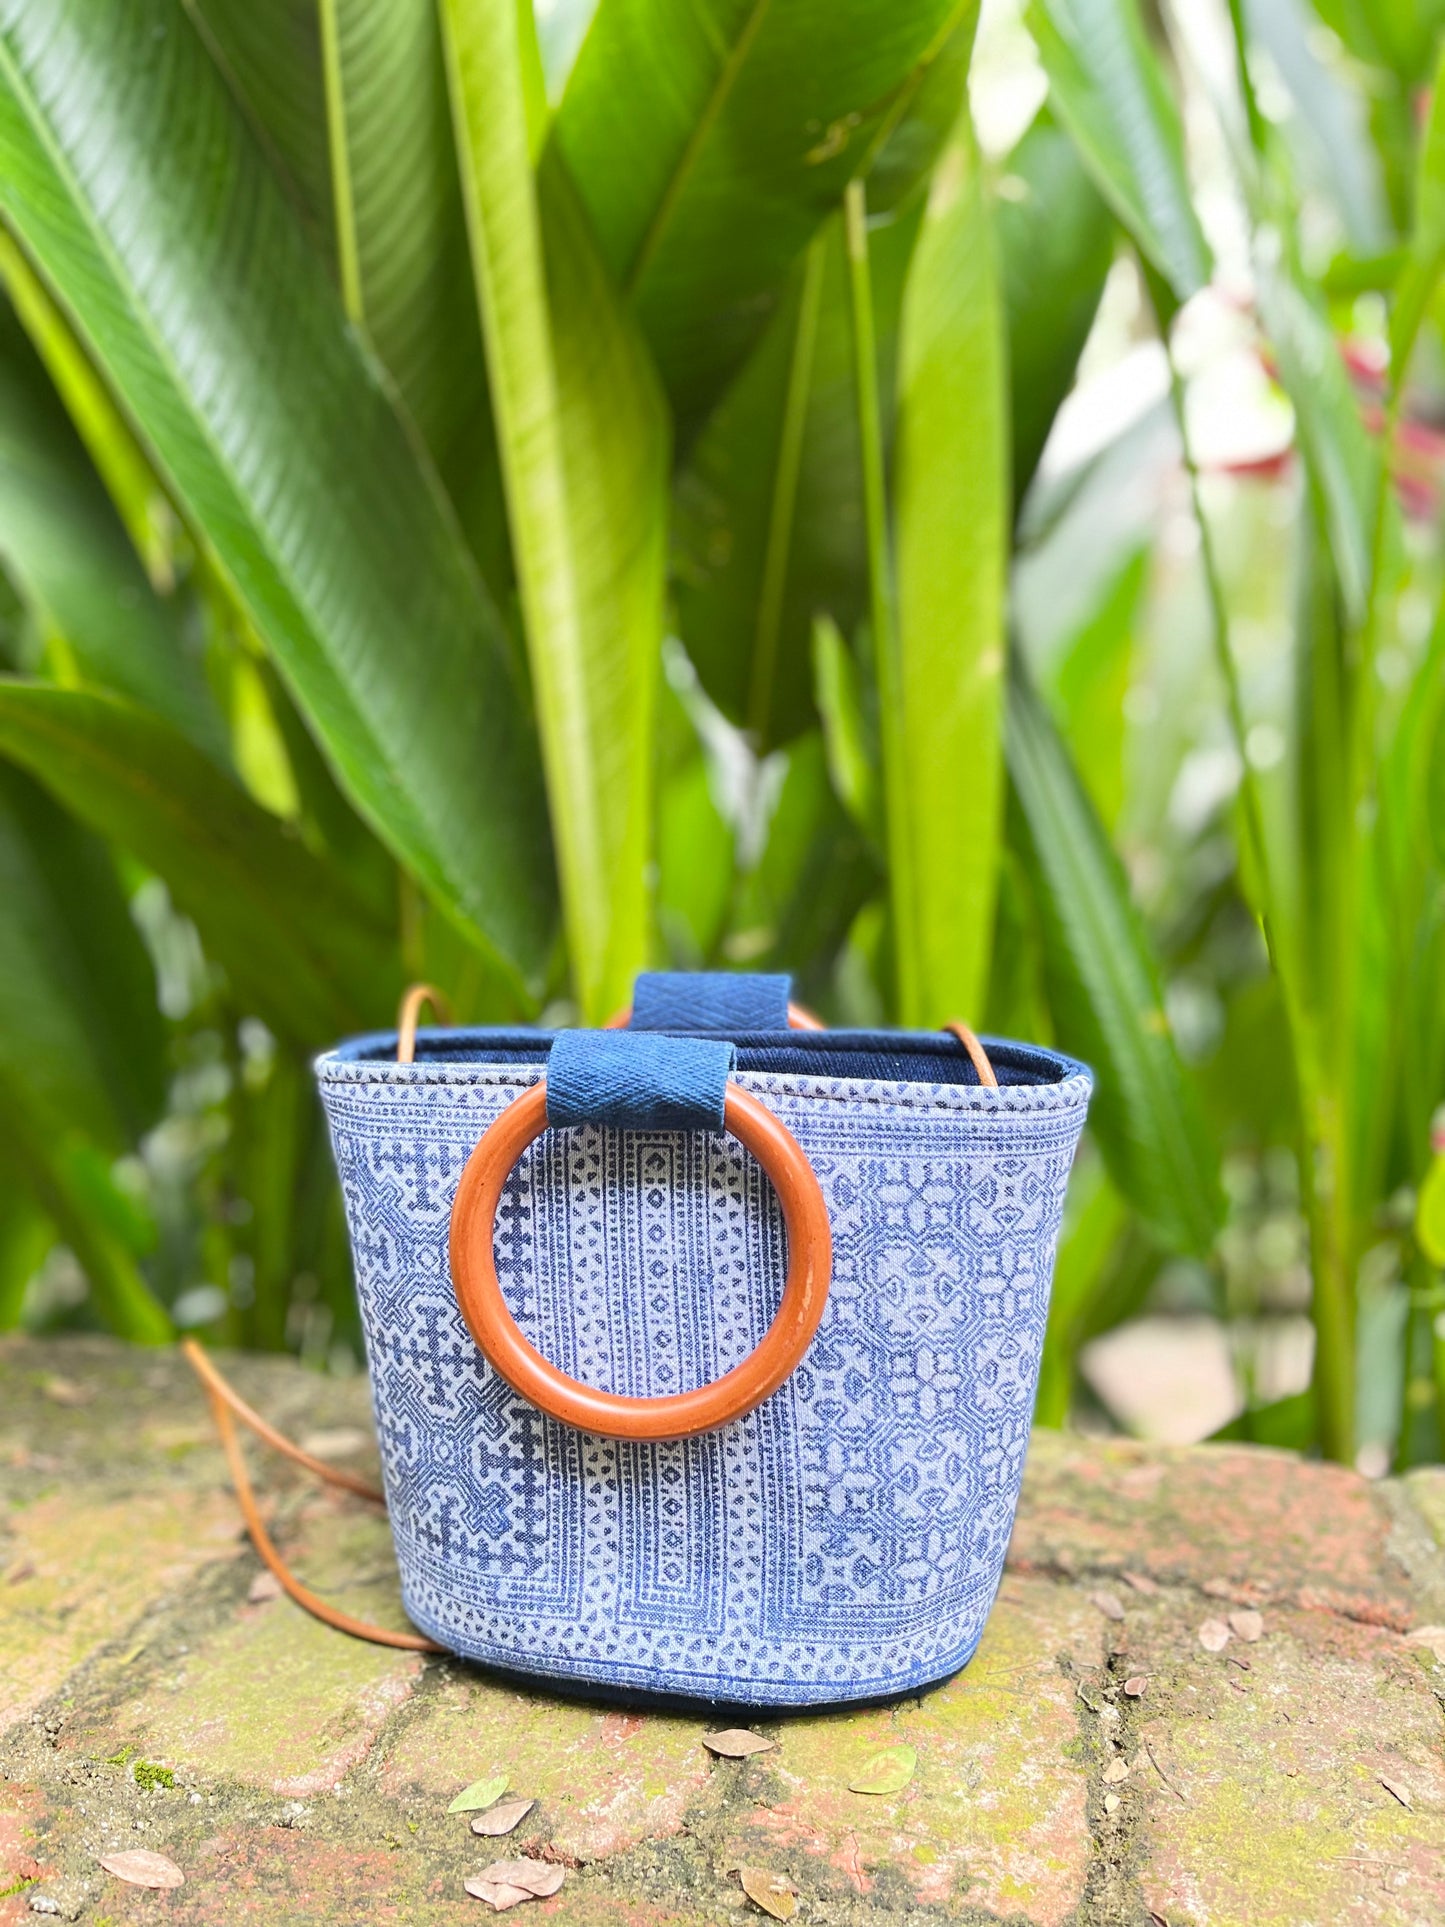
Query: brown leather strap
x=224, y=1400
x=406, y=1017
x=977, y=1054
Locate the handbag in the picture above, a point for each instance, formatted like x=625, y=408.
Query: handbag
x=703, y=1347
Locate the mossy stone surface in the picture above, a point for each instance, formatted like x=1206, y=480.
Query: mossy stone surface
x=297, y=1775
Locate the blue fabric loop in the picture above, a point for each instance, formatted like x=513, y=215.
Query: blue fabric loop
x=638, y=1082
x=726, y=1000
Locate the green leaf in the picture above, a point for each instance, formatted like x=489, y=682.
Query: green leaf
x=709, y=142
x=812, y=877
x=81, y=1042
x=838, y=688
x=64, y=545
x=887, y=1771
x=26, y=1235
x=289, y=934
x=349, y=97
x=1398, y=34
x=1056, y=244
x=480, y=1794
x=120, y=462
x=1427, y=238
x=1330, y=127
x=769, y=508
x=400, y=232
x=80, y=1030
x=1104, y=988
x=1341, y=461
x=213, y=321
x=1287, y=1424
x=67, y=1180
x=1109, y=90
x=584, y=449
x=1093, y=1224
x=695, y=853
x=269, y=52
x=940, y=702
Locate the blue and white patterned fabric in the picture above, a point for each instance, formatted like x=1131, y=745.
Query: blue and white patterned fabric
x=843, y=1540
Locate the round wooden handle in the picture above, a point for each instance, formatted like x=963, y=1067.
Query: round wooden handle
x=676, y=1415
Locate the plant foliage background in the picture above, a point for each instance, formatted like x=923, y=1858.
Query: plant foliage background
x=949, y=509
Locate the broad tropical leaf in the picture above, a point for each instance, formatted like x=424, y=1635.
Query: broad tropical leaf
x=940, y=702
x=813, y=875
x=1104, y=988
x=709, y=142
x=81, y=1044
x=350, y=97
x=270, y=54
x=769, y=512
x=1108, y=89
x=852, y=758
x=1399, y=34
x=1056, y=243
x=214, y=322
x=120, y=461
x=63, y=543
x=583, y=441
x=80, y=1030
x=1427, y=236
x=289, y=934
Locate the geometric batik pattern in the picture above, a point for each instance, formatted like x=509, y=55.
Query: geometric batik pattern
x=845, y=1538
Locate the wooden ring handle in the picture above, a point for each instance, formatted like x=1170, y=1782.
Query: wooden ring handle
x=406, y=1018
x=676, y=1415
x=799, y=1018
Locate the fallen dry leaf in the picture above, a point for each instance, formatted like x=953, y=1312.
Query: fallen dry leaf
x=1247, y=1624
x=264, y=1586
x=498, y=1897
x=888, y=1771
x=1431, y=1636
x=1116, y=1771
x=481, y=1793
x=773, y=1892
x=142, y=1868
x=66, y=1391
x=502, y=1818
x=1401, y=1793
x=1141, y=1582
x=1137, y=1685
x=737, y=1743
x=540, y=1877
x=1214, y=1635
x=1108, y=1603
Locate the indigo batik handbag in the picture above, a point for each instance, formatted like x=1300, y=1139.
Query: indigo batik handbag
x=703, y=1351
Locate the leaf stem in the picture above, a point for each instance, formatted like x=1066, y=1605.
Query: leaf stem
x=1333, y=1302
x=348, y=256
x=889, y=666
x=785, y=492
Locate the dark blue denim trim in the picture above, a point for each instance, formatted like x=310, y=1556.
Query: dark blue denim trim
x=893, y=1056
x=638, y=1080
x=727, y=1001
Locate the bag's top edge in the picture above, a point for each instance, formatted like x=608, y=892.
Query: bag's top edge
x=901, y=1066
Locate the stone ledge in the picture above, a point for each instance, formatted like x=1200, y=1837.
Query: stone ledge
x=298, y=1776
